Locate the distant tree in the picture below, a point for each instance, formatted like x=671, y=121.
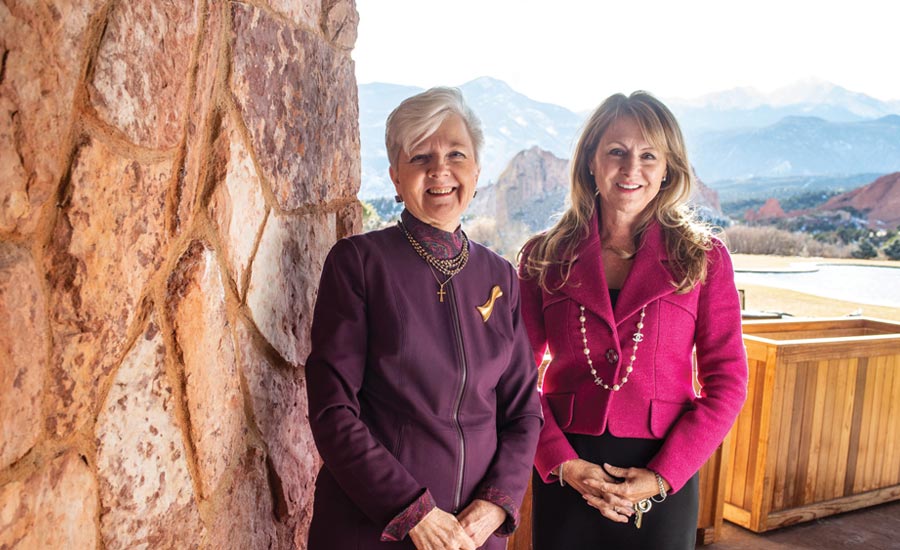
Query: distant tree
x=504, y=239
x=387, y=209
x=849, y=234
x=892, y=250
x=810, y=199
x=866, y=250
x=371, y=219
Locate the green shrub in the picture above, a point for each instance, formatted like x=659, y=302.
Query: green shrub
x=892, y=250
x=865, y=250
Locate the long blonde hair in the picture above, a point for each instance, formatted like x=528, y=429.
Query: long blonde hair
x=687, y=239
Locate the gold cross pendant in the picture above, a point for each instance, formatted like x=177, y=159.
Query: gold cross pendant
x=441, y=292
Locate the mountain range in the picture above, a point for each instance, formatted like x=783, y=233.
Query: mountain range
x=812, y=129
x=749, y=108
x=799, y=146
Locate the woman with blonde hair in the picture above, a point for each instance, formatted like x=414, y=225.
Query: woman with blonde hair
x=621, y=291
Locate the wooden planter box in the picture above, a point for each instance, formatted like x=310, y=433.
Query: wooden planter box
x=820, y=431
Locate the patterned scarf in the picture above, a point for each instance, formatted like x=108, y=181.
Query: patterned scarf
x=437, y=242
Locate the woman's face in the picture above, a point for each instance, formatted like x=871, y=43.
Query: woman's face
x=628, y=170
x=437, y=178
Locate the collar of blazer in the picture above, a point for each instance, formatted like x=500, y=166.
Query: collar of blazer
x=648, y=280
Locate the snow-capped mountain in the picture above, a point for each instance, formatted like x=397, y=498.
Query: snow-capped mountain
x=812, y=91
x=811, y=127
x=749, y=108
x=799, y=146
x=376, y=101
x=513, y=123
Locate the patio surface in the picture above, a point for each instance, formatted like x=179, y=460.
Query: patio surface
x=875, y=528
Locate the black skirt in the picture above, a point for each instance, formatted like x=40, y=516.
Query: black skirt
x=562, y=520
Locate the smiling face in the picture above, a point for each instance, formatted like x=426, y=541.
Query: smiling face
x=437, y=178
x=628, y=171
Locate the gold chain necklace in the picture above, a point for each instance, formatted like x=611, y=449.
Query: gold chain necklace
x=449, y=267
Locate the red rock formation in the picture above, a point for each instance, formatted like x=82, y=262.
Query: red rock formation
x=530, y=175
x=879, y=200
x=768, y=211
x=705, y=196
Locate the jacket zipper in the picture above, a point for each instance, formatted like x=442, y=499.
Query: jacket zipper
x=454, y=313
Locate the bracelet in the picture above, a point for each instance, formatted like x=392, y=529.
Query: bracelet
x=662, y=489
x=562, y=482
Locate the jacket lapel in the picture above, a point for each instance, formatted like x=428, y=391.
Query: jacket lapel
x=587, y=281
x=649, y=279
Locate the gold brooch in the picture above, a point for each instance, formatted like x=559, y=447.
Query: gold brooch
x=488, y=307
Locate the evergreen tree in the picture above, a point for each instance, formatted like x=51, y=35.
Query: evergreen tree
x=371, y=219
x=892, y=250
x=866, y=250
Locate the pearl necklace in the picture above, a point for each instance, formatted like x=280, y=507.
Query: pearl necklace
x=637, y=338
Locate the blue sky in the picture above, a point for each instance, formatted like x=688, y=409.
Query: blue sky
x=575, y=53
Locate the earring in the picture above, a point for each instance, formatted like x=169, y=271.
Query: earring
x=398, y=198
x=591, y=172
x=475, y=194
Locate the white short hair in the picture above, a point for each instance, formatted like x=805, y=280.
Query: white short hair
x=419, y=116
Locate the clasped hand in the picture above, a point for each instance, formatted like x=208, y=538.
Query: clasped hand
x=610, y=489
x=440, y=530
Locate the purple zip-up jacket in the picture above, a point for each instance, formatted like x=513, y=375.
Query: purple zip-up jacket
x=414, y=401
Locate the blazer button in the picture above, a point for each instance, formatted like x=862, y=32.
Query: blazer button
x=612, y=356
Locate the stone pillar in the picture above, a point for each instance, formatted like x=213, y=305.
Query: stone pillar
x=172, y=175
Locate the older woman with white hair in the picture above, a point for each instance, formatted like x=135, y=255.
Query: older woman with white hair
x=422, y=389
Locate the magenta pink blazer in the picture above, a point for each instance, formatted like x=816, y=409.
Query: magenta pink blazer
x=659, y=400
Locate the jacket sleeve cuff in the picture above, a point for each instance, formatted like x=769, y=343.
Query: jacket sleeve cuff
x=501, y=499
x=400, y=526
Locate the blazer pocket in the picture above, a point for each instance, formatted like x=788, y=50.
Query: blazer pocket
x=680, y=304
x=664, y=414
x=562, y=405
x=552, y=299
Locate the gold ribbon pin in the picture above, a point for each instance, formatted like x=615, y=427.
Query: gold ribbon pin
x=488, y=306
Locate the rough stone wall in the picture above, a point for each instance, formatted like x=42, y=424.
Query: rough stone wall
x=172, y=175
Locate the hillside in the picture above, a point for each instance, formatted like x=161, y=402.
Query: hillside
x=879, y=201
